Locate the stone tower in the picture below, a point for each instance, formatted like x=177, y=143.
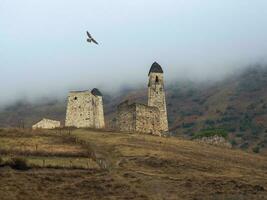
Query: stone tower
x=85, y=109
x=156, y=93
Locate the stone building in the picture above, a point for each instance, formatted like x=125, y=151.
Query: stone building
x=46, y=124
x=85, y=109
x=151, y=118
x=138, y=117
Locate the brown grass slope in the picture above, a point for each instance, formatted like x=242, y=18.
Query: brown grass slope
x=140, y=167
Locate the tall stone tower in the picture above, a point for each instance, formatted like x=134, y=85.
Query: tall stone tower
x=156, y=93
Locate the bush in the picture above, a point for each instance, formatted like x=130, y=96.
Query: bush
x=239, y=135
x=188, y=125
x=211, y=133
x=244, y=145
x=256, y=149
x=233, y=142
x=19, y=163
x=210, y=122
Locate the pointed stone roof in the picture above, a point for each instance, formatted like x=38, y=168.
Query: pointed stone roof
x=155, y=68
x=96, y=92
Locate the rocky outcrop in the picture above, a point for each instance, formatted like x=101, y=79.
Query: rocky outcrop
x=215, y=140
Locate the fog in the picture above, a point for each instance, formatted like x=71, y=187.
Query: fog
x=44, y=53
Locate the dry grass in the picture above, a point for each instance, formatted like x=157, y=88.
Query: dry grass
x=140, y=167
x=45, y=149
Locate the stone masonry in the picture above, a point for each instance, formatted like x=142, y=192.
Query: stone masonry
x=85, y=109
x=151, y=118
x=138, y=117
x=156, y=94
x=46, y=124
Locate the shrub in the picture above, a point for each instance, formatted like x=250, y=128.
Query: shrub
x=239, y=135
x=256, y=149
x=244, y=145
x=210, y=122
x=210, y=133
x=233, y=142
x=19, y=163
x=188, y=125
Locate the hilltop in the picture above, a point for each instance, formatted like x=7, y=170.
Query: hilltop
x=88, y=164
x=237, y=104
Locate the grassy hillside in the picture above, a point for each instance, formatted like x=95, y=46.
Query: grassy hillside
x=238, y=105
x=126, y=166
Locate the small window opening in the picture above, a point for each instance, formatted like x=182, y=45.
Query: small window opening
x=75, y=98
x=157, y=79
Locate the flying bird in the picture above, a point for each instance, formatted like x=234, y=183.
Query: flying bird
x=91, y=39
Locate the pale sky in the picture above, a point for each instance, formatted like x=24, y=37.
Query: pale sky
x=43, y=48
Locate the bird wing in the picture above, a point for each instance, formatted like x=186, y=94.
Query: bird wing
x=89, y=35
x=94, y=41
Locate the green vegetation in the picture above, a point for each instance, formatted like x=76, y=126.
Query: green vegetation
x=18, y=163
x=1, y=160
x=188, y=125
x=233, y=142
x=256, y=149
x=211, y=133
x=244, y=145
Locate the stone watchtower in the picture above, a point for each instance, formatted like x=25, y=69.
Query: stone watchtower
x=85, y=109
x=156, y=93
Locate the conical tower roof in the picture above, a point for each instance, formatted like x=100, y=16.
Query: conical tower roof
x=155, y=68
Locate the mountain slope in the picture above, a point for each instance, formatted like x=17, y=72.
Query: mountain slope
x=238, y=105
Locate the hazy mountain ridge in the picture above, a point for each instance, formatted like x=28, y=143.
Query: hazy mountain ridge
x=237, y=104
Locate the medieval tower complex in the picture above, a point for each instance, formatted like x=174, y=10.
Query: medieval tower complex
x=151, y=118
x=85, y=109
x=156, y=93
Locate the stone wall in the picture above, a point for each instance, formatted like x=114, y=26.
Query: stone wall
x=138, y=118
x=84, y=110
x=156, y=97
x=98, y=112
x=46, y=124
x=126, y=117
x=147, y=119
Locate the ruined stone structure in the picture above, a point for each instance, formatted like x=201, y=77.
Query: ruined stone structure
x=138, y=117
x=151, y=118
x=46, y=124
x=85, y=109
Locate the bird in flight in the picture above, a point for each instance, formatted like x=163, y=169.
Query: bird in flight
x=90, y=38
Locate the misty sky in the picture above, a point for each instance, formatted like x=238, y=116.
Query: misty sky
x=43, y=48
